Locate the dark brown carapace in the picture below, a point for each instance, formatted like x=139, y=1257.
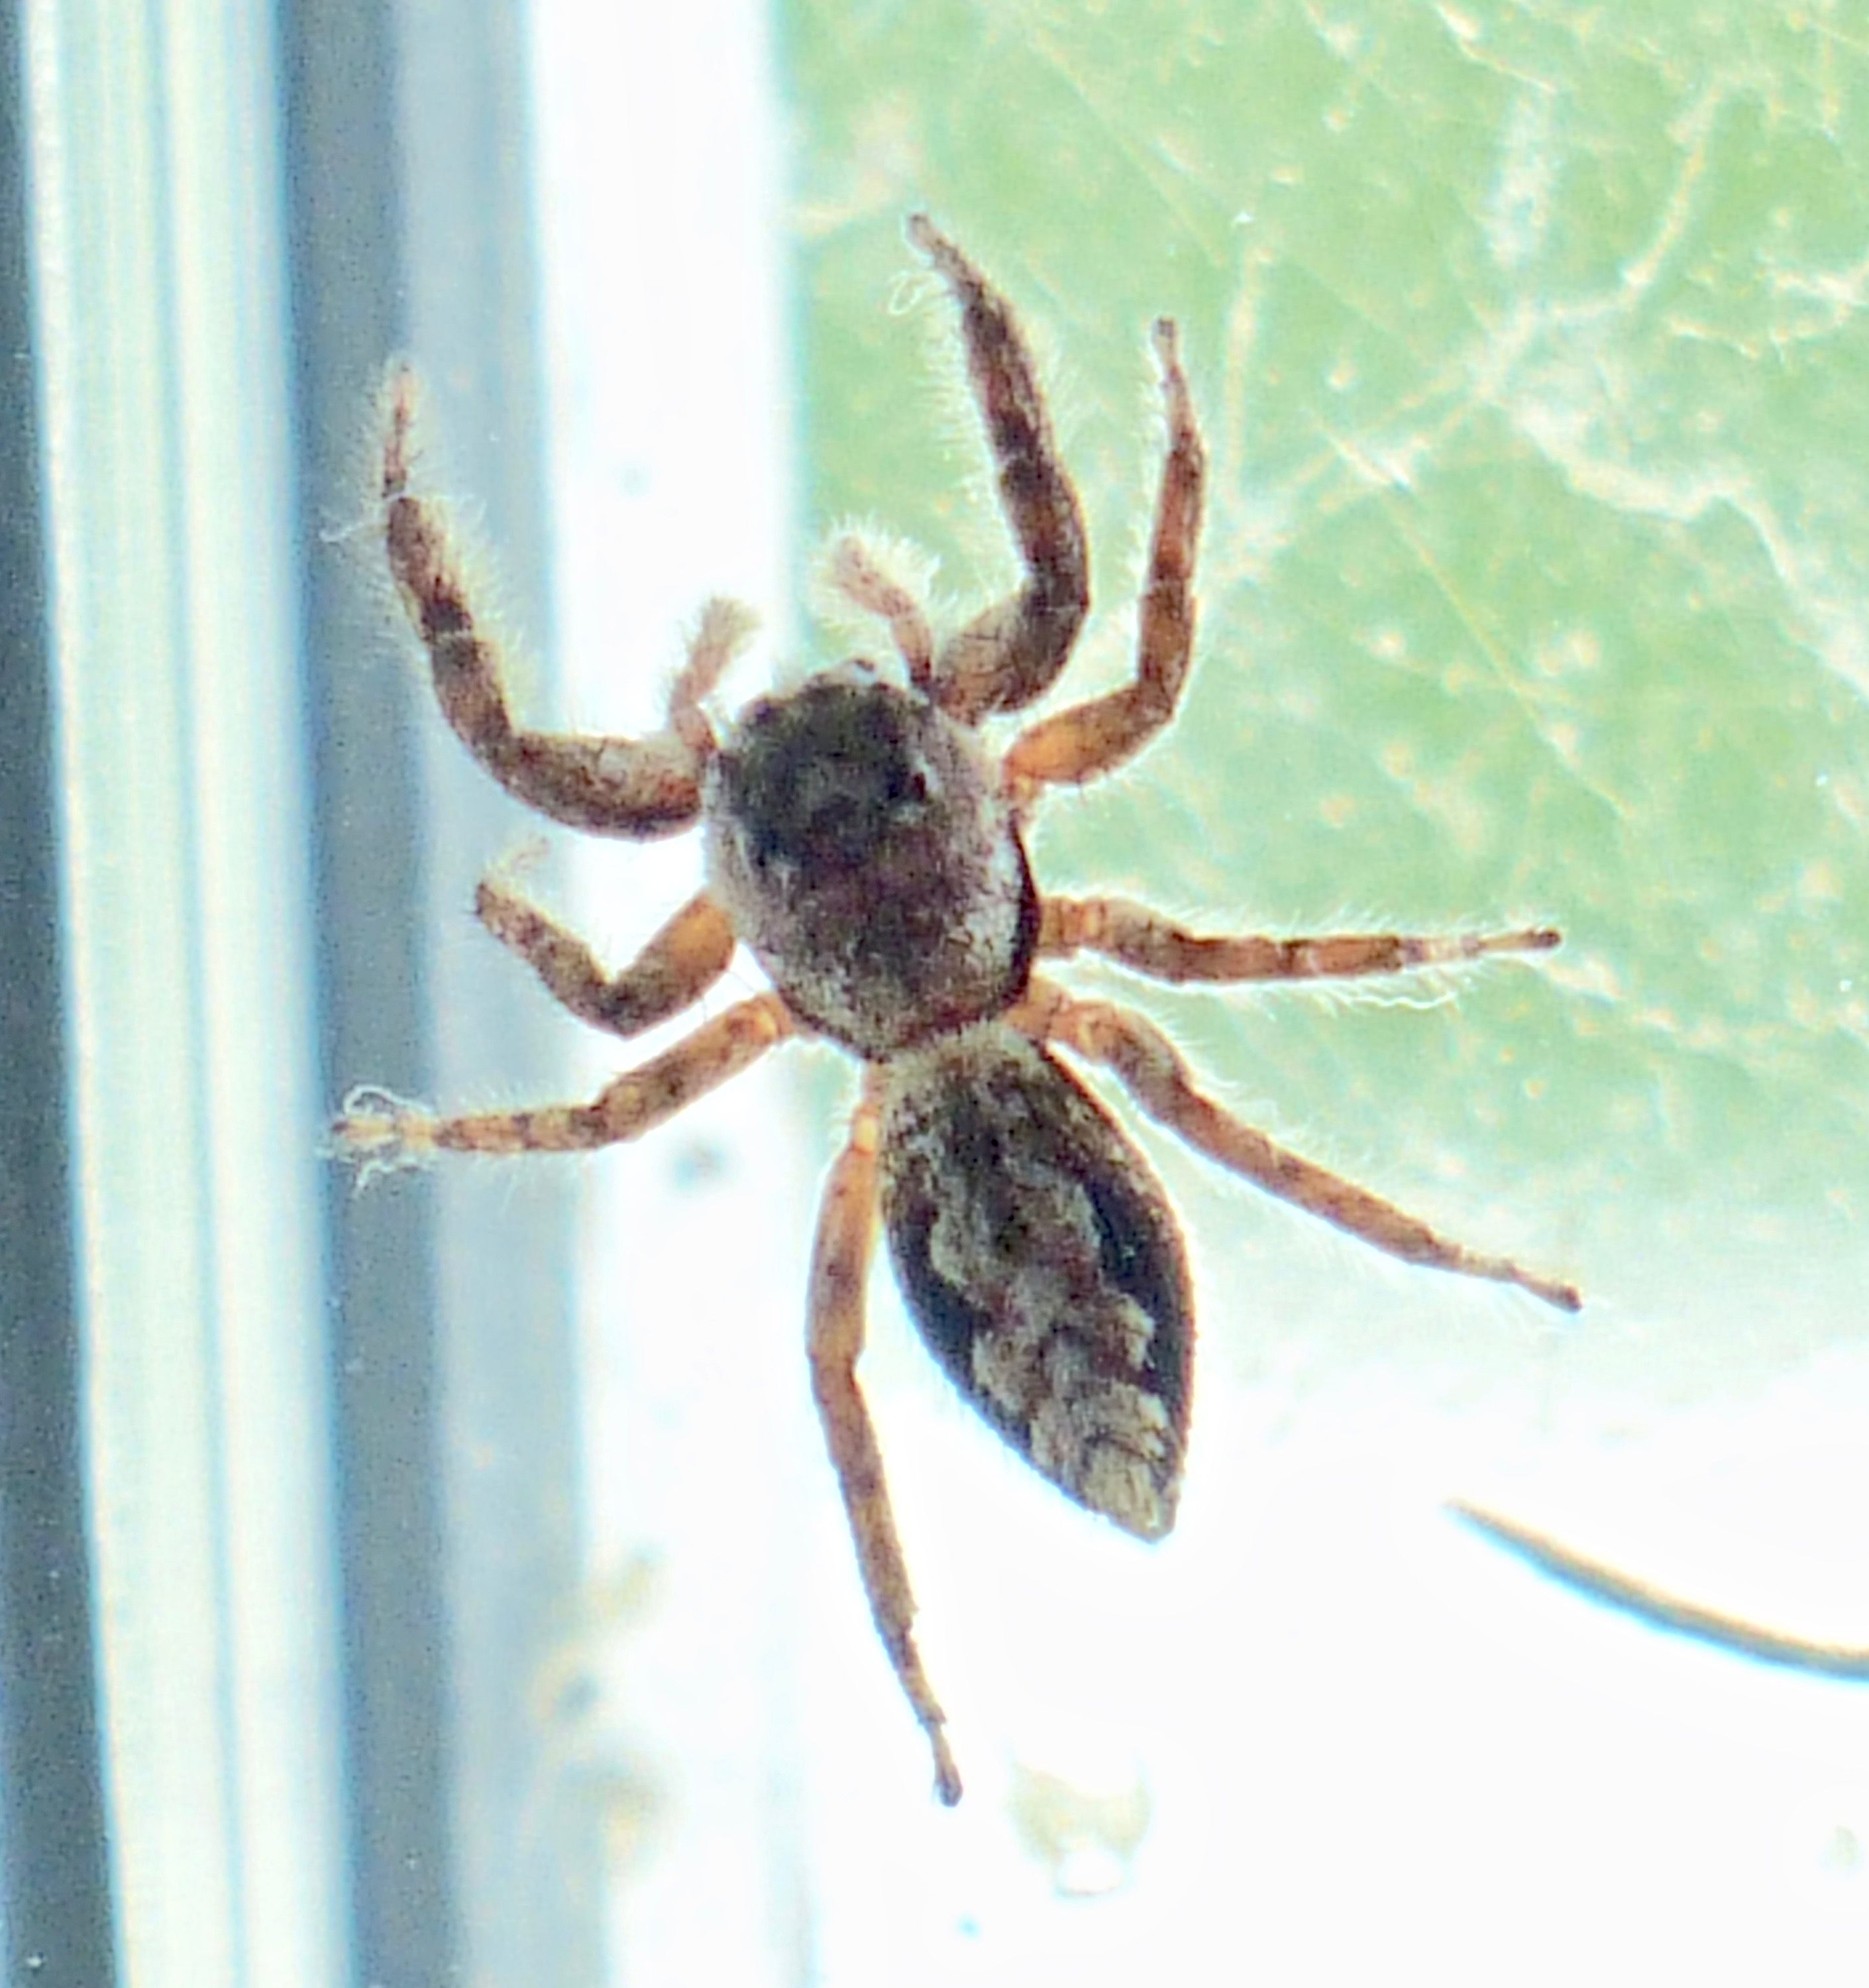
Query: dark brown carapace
x=867, y=847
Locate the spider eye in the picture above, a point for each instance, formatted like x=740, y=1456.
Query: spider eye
x=847, y=806
x=911, y=782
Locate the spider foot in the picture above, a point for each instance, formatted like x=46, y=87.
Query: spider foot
x=1554, y=1291
x=947, y=1773
x=401, y=392
x=379, y=1133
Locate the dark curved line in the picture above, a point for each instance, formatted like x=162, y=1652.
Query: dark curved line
x=1597, y=1582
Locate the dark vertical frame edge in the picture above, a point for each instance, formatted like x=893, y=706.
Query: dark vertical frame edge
x=347, y=287
x=54, y=1849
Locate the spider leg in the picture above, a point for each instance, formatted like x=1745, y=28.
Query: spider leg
x=856, y=576
x=381, y=1132
x=720, y=634
x=636, y=787
x=1013, y=652
x=677, y=966
x=1089, y=738
x=1145, y=1063
x=839, y=1270
x=1146, y=942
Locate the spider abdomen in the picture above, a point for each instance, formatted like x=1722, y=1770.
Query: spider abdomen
x=863, y=851
x=1042, y=1265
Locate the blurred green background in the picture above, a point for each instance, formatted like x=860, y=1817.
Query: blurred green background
x=1529, y=346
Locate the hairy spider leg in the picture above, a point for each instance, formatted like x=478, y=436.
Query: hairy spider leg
x=840, y=1273
x=381, y=1132
x=636, y=787
x=1089, y=738
x=856, y=576
x=1144, y=1062
x=722, y=631
x=1146, y=942
x=1014, y=651
x=673, y=971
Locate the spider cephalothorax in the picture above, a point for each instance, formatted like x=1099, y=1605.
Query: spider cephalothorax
x=860, y=842
x=864, y=845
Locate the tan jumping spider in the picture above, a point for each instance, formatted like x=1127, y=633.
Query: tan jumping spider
x=868, y=848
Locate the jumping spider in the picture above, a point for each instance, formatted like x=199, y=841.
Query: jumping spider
x=867, y=847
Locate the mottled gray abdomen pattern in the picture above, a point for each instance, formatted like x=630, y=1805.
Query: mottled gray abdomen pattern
x=1042, y=1266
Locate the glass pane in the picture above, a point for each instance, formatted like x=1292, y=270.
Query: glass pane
x=474, y=1594
x=1526, y=345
